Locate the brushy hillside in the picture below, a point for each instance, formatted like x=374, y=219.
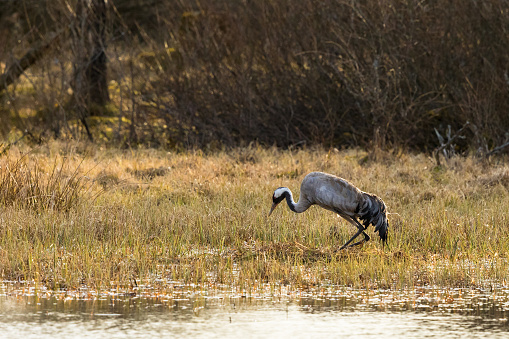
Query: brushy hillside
x=151, y=216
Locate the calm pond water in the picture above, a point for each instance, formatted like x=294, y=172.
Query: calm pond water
x=329, y=312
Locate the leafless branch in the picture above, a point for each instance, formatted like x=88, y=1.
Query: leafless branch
x=444, y=145
x=14, y=70
x=497, y=149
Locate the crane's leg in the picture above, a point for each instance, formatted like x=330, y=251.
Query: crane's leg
x=366, y=238
x=349, y=241
x=361, y=230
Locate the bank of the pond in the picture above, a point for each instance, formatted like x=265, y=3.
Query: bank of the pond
x=74, y=215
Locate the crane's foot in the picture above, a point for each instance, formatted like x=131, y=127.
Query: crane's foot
x=366, y=239
x=358, y=243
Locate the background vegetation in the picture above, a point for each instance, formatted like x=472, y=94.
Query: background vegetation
x=279, y=72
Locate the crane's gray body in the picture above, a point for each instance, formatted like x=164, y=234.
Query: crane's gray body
x=330, y=192
x=340, y=196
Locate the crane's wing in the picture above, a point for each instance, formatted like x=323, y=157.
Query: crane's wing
x=332, y=193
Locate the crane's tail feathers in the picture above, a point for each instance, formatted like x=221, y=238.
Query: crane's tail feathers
x=383, y=231
x=374, y=212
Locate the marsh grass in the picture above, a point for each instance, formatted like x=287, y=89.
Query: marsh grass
x=27, y=184
x=120, y=218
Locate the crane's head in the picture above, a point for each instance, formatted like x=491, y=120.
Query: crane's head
x=277, y=197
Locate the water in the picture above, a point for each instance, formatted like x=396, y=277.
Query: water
x=334, y=312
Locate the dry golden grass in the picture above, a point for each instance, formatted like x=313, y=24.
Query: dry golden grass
x=157, y=217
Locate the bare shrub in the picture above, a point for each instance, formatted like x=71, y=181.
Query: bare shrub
x=339, y=73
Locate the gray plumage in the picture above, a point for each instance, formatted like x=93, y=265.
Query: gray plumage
x=340, y=196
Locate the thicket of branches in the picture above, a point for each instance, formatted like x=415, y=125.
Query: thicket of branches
x=227, y=72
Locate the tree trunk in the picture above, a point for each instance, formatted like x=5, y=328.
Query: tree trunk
x=96, y=72
x=90, y=86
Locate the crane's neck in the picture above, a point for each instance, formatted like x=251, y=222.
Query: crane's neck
x=298, y=207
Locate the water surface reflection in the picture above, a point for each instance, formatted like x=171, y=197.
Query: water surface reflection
x=320, y=313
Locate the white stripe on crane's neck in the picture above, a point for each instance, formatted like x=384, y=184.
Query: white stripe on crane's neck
x=298, y=207
x=280, y=191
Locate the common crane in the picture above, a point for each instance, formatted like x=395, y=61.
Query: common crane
x=338, y=195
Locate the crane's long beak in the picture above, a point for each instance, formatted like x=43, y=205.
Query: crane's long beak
x=272, y=209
